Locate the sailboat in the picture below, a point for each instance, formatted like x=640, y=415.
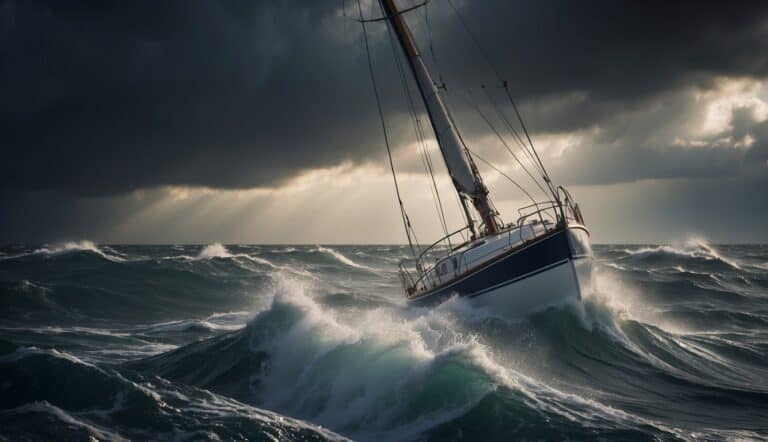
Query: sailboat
x=544, y=258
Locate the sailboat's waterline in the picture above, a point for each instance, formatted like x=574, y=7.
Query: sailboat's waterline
x=549, y=270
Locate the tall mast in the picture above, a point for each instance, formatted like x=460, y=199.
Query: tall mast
x=462, y=169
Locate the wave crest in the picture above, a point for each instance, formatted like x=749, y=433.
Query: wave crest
x=54, y=250
x=130, y=405
x=343, y=259
x=691, y=249
x=341, y=369
x=215, y=250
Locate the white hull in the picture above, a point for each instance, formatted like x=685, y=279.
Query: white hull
x=547, y=271
x=564, y=282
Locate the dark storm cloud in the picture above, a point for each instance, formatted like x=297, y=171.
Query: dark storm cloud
x=634, y=148
x=111, y=96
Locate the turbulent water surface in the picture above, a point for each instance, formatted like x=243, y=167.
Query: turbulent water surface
x=311, y=342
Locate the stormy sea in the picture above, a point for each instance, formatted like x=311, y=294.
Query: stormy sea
x=236, y=342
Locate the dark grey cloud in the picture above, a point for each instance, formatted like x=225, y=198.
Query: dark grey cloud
x=106, y=97
x=616, y=50
x=634, y=148
x=110, y=97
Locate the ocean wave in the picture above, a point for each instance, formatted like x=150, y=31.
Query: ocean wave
x=670, y=339
x=54, y=330
x=693, y=248
x=284, y=250
x=218, y=251
x=127, y=352
x=50, y=251
x=215, y=250
x=344, y=371
x=338, y=256
x=309, y=349
x=66, y=423
x=113, y=405
x=214, y=323
x=27, y=286
x=670, y=346
x=248, y=262
x=78, y=246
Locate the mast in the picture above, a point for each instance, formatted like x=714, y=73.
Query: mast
x=464, y=174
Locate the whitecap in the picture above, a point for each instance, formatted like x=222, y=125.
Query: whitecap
x=691, y=248
x=53, y=250
x=343, y=259
x=215, y=250
x=77, y=246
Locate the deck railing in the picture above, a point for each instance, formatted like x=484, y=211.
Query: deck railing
x=538, y=219
x=425, y=263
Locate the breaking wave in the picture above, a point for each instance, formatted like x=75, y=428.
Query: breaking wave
x=110, y=405
x=68, y=247
x=215, y=250
x=343, y=259
x=694, y=249
x=672, y=346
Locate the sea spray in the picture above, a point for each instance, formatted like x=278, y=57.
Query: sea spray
x=342, y=259
x=215, y=250
x=199, y=341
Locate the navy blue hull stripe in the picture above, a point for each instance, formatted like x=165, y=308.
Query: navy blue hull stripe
x=539, y=256
x=520, y=278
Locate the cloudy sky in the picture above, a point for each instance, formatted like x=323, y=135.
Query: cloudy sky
x=243, y=121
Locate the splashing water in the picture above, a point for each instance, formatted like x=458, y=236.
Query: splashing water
x=343, y=259
x=244, y=341
x=215, y=250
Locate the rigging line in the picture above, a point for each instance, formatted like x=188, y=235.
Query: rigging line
x=409, y=226
x=520, y=118
x=418, y=121
x=504, y=142
x=514, y=132
x=401, y=12
x=458, y=204
x=419, y=132
x=504, y=175
x=472, y=164
x=431, y=45
x=475, y=40
x=403, y=214
x=496, y=73
x=472, y=103
x=510, y=127
x=426, y=160
x=509, y=95
x=469, y=101
x=435, y=193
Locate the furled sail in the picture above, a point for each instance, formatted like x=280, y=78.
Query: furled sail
x=447, y=137
x=465, y=177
